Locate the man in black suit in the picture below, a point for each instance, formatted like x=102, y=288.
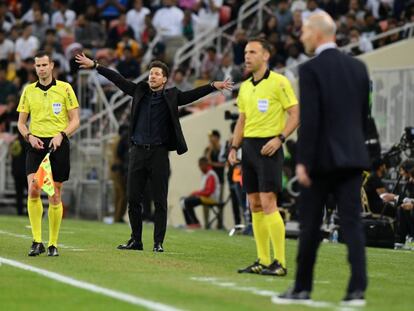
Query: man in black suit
x=154, y=130
x=331, y=154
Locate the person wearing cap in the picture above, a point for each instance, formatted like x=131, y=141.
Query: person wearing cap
x=154, y=130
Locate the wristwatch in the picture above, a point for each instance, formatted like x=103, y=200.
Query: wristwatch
x=282, y=138
x=64, y=136
x=95, y=64
x=26, y=137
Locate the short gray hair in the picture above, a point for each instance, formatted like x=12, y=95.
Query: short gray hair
x=322, y=21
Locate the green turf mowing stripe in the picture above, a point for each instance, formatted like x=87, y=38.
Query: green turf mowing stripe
x=151, y=305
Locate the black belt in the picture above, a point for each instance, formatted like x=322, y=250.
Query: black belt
x=148, y=146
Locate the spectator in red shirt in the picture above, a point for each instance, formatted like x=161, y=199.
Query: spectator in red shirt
x=209, y=193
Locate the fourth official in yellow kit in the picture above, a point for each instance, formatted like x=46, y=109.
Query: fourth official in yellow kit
x=268, y=114
x=54, y=116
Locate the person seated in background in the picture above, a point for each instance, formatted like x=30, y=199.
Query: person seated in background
x=209, y=193
x=405, y=214
x=377, y=194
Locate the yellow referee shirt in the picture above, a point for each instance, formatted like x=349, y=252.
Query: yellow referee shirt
x=265, y=104
x=48, y=109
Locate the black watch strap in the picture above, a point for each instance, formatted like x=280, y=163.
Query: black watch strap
x=282, y=138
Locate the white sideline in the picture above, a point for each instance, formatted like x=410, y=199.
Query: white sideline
x=151, y=305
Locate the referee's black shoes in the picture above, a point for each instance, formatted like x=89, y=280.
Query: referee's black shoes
x=158, y=248
x=255, y=268
x=52, y=251
x=275, y=269
x=131, y=245
x=36, y=249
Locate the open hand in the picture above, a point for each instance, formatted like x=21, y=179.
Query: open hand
x=271, y=147
x=83, y=61
x=224, y=85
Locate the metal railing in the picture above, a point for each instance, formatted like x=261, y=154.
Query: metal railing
x=248, y=9
x=393, y=99
x=193, y=49
x=406, y=31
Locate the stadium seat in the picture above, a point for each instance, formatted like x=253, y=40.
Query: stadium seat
x=217, y=209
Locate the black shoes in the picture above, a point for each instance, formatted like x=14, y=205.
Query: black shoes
x=52, y=251
x=158, y=248
x=275, y=269
x=292, y=297
x=36, y=249
x=354, y=299
x=255, y=268
x=131, y=245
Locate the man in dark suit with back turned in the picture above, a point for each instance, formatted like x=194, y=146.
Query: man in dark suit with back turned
x=331, y=154
x=153, y=131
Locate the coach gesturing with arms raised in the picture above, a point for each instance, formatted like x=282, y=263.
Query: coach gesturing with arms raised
x=154, y=130
x=331, y=154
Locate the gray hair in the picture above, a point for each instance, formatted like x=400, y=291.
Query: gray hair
x=323, y=22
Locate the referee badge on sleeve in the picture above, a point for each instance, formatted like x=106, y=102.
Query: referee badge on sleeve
x=263, y=105
x=57, y=108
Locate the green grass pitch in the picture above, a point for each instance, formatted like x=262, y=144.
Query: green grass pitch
x=197, y=271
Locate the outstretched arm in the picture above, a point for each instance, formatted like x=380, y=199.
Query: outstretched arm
x=125, y=85
x=187, y=97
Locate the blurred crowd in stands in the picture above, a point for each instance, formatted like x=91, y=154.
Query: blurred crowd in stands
x=121, y=33
x=118, y=33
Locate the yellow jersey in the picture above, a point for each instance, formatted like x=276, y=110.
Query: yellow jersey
x=48, y=109
x=265, y=104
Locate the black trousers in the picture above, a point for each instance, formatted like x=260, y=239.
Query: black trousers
x=148, y=165
x=405, y=224
x=189, y=214
x=346, y=187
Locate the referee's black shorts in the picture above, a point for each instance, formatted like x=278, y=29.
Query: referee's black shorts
x=59, y=159
x=261, y=173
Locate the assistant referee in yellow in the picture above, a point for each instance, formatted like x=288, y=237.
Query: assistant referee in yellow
x=263, y=101
x=54, y=116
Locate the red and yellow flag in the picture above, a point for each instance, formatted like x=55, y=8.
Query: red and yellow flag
x=44, y=177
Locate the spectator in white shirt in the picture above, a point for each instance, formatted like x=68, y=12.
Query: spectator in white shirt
x=6, y=48
x=136, y=18
x=27, y=45
x=168, y=20
x=29, y=15
x=208, y=15
x=312, y=8
x=39, y=25
x=364, y=46
x=63, y=19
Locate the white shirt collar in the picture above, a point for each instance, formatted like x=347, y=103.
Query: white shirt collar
x=325, y=46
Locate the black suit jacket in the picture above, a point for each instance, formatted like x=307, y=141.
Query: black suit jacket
x=173, y=96
x=334, y=103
